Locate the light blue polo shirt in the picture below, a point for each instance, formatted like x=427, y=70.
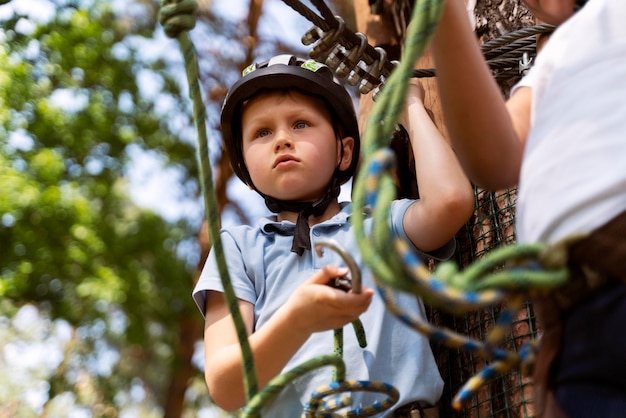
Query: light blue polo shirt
x=265, y=272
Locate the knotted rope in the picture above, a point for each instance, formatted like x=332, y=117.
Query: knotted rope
x=398, y=267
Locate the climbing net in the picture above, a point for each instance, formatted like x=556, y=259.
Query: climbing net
x=508, y=274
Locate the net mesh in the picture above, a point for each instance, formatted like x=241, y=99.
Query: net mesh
x=510, y=395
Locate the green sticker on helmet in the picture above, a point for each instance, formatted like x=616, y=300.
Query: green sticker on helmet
x=312, y=65
x=248, y=69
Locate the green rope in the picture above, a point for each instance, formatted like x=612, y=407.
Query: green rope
x=532, y=269
x=177, y=18
x=277, y=384
x=379, y=256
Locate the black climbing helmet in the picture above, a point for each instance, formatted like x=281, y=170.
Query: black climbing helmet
x=287, y=72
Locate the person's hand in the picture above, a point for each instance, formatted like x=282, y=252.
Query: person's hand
x=414, y=97
x=315, y=306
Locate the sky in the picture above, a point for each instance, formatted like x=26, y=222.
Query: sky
x=36, y=348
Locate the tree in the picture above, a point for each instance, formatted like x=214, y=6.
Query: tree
x=74, y=244
x=78, y=251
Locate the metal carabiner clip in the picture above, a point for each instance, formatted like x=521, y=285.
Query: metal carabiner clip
x=354, y=282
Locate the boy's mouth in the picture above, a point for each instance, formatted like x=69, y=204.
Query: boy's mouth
x=282, y=159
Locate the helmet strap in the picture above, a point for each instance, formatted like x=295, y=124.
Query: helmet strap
x=301, y=236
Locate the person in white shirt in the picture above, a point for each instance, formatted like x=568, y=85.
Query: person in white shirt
x=560, y=137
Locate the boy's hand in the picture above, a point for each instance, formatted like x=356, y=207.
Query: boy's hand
x=415, y=96
x=316, y=307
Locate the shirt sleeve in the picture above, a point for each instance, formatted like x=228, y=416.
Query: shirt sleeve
x=398, y=209
x=210, y=278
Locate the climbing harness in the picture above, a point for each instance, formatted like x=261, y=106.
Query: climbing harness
x=396, y=267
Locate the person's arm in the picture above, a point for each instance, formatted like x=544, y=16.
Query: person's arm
x=312, y=308
x=487, y=134
x=446, y=196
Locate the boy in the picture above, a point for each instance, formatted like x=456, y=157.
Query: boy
x=291, y=134
x=562, y=136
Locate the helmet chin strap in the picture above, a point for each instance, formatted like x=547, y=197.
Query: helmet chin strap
x=301, y=236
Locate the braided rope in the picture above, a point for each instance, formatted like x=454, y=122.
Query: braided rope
x=504, y=51
x=478, y=285
x=318, y=408
x=400, y=268
x=177, y=19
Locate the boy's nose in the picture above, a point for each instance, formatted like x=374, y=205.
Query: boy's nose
x=283, y=140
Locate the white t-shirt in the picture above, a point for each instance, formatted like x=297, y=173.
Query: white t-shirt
x=573, y=176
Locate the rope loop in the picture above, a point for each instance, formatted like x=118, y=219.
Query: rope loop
x=277, y=384
x=177, y=16
x=317, y=407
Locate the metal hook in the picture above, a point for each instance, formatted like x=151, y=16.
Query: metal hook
x=372, y=77
x=355, y=272
x=525, y=63
x=312, y=35
x=328, y=41
x=383, y=80
x=368, y=74
x=353, y=57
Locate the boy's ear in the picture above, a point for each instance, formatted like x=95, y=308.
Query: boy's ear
x=346, y=157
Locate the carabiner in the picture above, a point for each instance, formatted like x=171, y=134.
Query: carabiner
x=355, y=272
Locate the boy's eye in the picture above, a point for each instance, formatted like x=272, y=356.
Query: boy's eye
x=301, y=125
x=262, y=132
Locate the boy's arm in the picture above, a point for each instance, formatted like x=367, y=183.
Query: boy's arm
x=313, y=307
x=223, y=363
x=446, y=196
x=487, y=139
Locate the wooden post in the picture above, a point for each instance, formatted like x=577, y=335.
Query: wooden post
x=380, y=31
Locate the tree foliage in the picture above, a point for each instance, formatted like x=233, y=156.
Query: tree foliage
x=73, y=242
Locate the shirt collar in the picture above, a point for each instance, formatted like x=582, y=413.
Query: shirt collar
x=270, y=225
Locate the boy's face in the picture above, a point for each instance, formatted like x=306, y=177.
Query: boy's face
x=290, y=147
x=553, y=12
